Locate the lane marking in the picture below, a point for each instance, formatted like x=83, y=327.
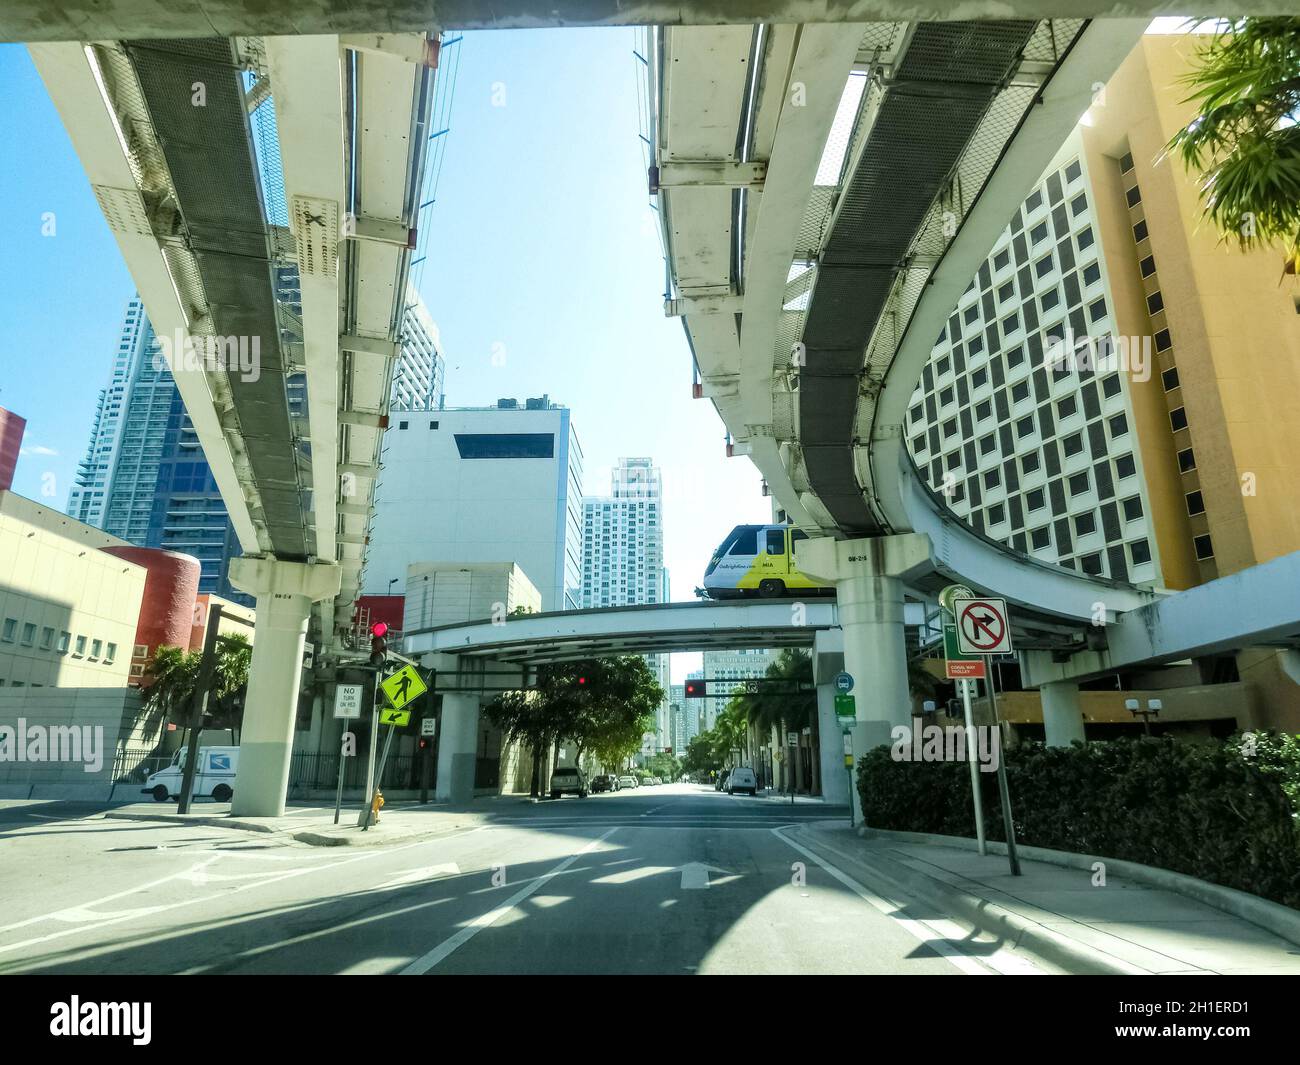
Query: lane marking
x=447, y=947
x=1004, y=961
x=126, y=915
x=919, y=929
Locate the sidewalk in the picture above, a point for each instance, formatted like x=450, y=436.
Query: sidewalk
x=1057, y=914
x=313, y=824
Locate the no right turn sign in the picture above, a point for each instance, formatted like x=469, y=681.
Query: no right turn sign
x=983, y=627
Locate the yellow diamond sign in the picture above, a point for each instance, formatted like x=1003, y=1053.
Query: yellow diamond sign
x=402, y=687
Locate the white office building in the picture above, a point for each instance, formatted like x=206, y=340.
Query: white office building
x=623, y=539
x=481, y=484
x=419, y=377
x=623, y=561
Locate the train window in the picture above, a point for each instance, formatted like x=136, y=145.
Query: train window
x=776, y=541
x=746, y=542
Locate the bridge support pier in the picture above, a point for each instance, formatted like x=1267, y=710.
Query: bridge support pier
x=1062, y=715
x=458, y=747
x=285, y=592
x=869, y=577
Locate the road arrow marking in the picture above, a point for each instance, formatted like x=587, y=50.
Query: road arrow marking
x=427, y=872
x=695, y=876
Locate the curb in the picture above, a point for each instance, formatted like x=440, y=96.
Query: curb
x=195, y=819
x=311, y=837
x=1271, y=916
x=1020, y=932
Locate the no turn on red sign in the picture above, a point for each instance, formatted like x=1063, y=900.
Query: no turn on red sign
x=983, y=626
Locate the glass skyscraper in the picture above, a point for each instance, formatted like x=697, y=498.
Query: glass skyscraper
x=145, y=478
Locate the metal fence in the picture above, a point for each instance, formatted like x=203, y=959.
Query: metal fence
x=319, y=769
x=133, y=765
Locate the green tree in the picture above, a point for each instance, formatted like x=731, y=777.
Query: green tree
x=602, y=705
x=174, y=677
x=1244, y=142
x=700, y=755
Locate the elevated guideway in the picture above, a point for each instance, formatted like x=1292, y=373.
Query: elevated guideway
x=61, y=20
x=264, y=195
x=822, y=214
x=820, y=226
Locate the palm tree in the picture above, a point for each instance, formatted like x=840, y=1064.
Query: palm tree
x=174, y=675
x=1245, y=141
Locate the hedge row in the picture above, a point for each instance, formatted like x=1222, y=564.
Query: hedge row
x=1227, y=812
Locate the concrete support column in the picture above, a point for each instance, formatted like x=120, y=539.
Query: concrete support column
x=1062, y=716
x=285, y=592
x=458, y=747
x=869, y=577
x=834, y=777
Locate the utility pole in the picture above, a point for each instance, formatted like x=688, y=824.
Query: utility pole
x=199, y=704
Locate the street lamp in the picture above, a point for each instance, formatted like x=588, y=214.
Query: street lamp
x=1134, y=707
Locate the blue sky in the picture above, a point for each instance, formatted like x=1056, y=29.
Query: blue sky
x=542, y=241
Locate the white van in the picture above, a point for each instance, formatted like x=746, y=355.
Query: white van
x=742, y=779
x=214, y=776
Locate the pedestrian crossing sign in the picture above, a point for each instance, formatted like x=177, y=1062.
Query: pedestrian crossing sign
x=402, y=687
x=396, y=718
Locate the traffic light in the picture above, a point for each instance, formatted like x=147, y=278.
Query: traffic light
x=378, y=644
x=696, y=689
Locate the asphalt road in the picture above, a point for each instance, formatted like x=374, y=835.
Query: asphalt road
x=672, y=879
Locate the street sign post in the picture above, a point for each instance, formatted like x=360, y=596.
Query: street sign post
x=848, y=768
x=347, y=706
x=966, y=686
x=843, y=682
x=428, y=726
x=399, y=689
x=984, y=628
x=846, y=707
x=1004, y=792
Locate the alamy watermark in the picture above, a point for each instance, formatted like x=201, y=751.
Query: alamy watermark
x=919, y=742
x=183, y=351
x=53, y=743
x=1101, y=354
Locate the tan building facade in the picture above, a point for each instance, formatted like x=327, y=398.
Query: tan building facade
x=68, y=609
x=1160, y=450
x=1216, y=420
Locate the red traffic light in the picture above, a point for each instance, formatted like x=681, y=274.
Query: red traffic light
x=379, y=628
x=695, y=689
x=582, y=681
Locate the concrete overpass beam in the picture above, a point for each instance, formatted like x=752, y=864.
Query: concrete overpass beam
x=1062, y=716
x=285, y=592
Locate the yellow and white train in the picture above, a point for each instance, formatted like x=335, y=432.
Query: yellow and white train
x=759, y=560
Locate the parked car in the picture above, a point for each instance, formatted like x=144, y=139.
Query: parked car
x=628, y=782
x=742, y=779
x=569, y=780
x=604, y=782
x=721, y=782
x=214, y=775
